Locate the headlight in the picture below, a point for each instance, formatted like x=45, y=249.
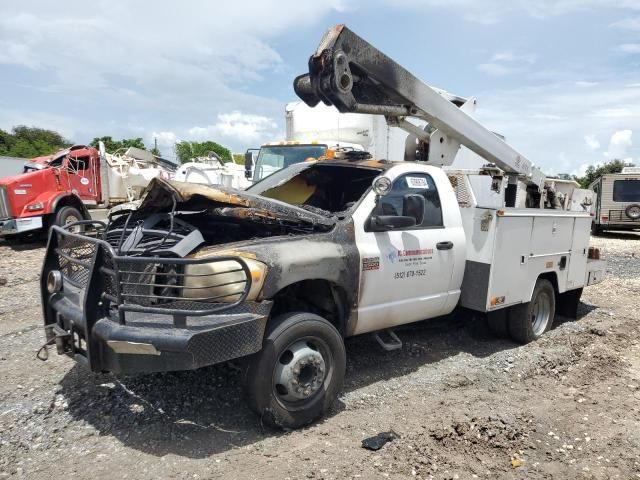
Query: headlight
x=35, y=206
x=223, y=280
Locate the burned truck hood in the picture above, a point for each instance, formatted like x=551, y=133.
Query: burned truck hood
x=160, y=194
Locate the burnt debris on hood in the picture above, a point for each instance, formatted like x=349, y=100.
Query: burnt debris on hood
x=308, y=199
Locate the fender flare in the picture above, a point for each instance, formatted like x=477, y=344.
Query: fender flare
x=75, y=199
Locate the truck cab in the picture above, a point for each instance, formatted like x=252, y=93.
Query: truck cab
x=51, y=192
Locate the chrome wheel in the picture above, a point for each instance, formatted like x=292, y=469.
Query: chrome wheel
x=300, y=371
x=540, y=313
x=72, y=219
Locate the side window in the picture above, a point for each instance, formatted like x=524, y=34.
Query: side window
x=419, y=183
x=78, y=164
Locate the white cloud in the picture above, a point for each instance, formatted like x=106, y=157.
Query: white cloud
x=581, y=170
x=620, y=143
x=629, y=48
x=628, y=24
x=523, y=114
x=165, y=139
x=114, y=64
x=619, y=112
x=237, y=125
x=506, y=63
x=592, y=142
x=493, y=11
x=495, y=69
x=547, y=116
x=249, y=129
x=585, y=84
x=510, y=57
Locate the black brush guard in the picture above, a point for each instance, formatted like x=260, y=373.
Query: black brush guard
x=131, y=314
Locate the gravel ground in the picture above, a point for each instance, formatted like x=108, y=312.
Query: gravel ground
x=462, y=404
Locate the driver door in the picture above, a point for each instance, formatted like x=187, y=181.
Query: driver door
x=81, y=176
x=406, y=273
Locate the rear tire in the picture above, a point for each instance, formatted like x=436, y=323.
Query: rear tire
x=595, y=229
x=297, y=375
x=529, y=321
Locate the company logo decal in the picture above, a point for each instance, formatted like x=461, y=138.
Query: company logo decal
x=370, y=263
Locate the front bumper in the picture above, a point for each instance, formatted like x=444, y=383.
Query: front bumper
x=111, y=312
x=151, y=343
x=12, y=226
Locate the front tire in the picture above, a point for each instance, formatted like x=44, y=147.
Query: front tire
x=68, y=215
x=529, y=321
x=297, y=375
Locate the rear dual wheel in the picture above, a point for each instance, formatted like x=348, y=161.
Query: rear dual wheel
x=529, y=321
x=299, y=372
x=526, y=322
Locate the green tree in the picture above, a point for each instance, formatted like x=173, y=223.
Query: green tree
x=111, y=145
x=28, y=142
x=594, y=172
x=186, y=151
x=156, y=151
x=238, y=158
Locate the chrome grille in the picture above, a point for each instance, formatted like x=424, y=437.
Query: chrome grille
x=4, y=204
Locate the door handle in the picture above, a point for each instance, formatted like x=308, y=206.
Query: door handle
x=444, y=245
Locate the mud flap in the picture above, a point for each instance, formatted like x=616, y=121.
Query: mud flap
x=568, y=302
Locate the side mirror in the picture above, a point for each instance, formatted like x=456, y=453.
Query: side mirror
x=248, y=165
x=413, y=205
x=384, y=223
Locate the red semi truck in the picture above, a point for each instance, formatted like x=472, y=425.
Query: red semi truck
x=62, y=189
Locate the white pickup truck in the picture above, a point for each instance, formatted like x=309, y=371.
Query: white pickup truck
x=282, y=273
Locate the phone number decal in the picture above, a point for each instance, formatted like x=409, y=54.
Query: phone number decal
x=410, y=273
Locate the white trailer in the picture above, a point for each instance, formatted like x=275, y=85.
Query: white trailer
x=326, y=125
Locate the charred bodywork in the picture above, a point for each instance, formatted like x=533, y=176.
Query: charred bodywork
x=190, y=276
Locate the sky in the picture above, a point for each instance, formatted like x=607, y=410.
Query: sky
x=559, y=79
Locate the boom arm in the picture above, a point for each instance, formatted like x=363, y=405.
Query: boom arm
x=351, y=74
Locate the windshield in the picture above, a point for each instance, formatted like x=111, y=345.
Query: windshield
x=32, y=167
x=274, y=158
x=277, y=177
x=626, y=191
x=312, y=185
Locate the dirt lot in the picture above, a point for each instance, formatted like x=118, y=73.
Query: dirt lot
x=465, y=405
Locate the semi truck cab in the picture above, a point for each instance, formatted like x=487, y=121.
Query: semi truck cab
x=53, y=195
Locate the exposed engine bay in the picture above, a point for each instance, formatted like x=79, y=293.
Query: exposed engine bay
x=174, y=218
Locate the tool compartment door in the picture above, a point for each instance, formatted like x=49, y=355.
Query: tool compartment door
x=509, y=270
x=579, y=253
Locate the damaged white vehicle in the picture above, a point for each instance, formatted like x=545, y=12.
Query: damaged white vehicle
x=282, y=273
